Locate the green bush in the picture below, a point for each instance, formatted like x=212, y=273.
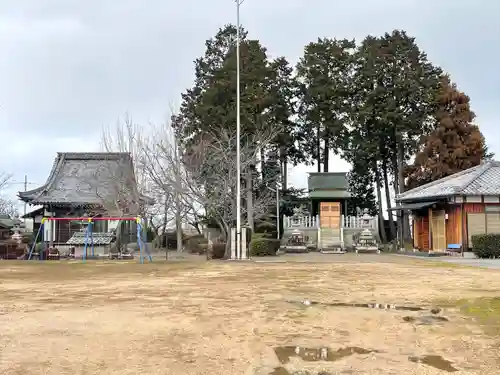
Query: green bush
x=218, y=250
x=486, y=245
x=263, y=246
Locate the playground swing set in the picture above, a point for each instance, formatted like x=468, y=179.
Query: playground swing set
x=88, y=237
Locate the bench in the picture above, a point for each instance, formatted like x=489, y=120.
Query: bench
x=454, y=249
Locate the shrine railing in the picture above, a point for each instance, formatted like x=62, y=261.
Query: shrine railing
x=301, y=222
x=358, y=222
x=346, y=222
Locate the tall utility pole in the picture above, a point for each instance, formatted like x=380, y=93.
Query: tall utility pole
x=25, y=189
x=239, y=247
x=25, y=184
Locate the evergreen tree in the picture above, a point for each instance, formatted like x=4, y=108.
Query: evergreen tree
x=281, y=115
x=361, y=187
x=208, y=116
x=455, y=144
x=323, y=74
x=393, y=98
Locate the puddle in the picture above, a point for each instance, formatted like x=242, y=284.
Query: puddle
x=425, y=320
x=435, y=361
x=381, y=306
x=284, y=353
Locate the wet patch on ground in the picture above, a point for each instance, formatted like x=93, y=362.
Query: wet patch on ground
x=379, y=306
x=435, y=361
x=284, y=353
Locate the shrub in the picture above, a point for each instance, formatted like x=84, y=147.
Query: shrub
x=486, y=245
x=196, y=244
x=263, y=246
x=218, y=250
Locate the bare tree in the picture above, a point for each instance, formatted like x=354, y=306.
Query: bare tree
x=126, y=136
x=7, y=205
x=203, y=171
x=129, y=137
x=165, y=173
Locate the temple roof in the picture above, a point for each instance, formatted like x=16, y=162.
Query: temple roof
x=80, y=178
x=328, y=185
x=483, y=179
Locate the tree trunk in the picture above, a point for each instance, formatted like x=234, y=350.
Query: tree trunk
x=380, y=214
x=318, y=147
x=397, y=187
x=284, y=169
x=406, y=235
x=118, y=234
x=227, y=236
x=197, y=227
x=262, y=163
x=178, y=226
x=326, y=155
x=392, y=227
x=249, y=191
x=178, y=218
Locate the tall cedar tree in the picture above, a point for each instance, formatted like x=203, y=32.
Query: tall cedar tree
x=393, y=96
x=454, y=145
x=323, y=74
x=281, y=113
x=267, y=100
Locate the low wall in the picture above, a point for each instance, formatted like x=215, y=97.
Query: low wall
x=312, y=233
x=349, y=234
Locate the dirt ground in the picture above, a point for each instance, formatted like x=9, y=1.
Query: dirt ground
x=224, y=318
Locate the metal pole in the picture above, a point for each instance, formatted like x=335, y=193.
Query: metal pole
x=239, y=248
x=278, y=211
x=25, y=189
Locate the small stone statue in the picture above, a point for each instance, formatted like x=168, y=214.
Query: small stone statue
x=297, y=211
x=366, y=218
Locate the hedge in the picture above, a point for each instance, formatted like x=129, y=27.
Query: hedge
x=486, y=245
x=263, y=246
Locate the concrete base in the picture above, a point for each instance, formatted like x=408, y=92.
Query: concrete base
x=366, y=250
x=332, y=251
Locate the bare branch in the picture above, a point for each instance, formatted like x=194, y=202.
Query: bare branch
x=207, y=173
x=7, y=206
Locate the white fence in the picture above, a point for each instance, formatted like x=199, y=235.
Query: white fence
x=346, y=222
x=357, y=222
x=301, y=222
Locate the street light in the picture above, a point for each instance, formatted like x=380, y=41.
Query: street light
x=239, y=248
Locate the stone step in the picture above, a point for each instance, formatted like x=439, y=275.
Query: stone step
x=330, y=231
x=331, y=240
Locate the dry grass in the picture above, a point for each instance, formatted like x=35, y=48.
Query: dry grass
x=224, y=318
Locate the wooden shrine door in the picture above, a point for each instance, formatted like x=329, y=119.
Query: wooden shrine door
x=329, y=215
x=438, y=230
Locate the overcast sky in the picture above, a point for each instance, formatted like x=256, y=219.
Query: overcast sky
x=70, y=67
